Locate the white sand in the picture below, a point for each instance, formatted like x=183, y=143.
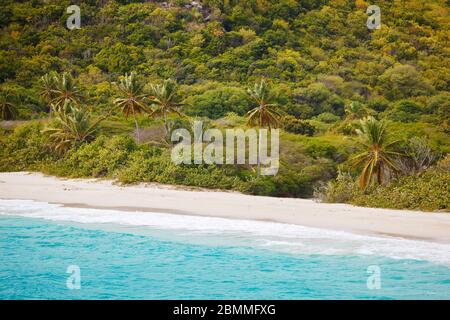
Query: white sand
x=157, y=198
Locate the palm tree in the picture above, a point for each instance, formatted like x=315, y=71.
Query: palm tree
x=356, y=110
x=66, y=90
x=378, y=157
x=132, y=100
x=166, y=101
x=265, y=114
x=8, y=108
x=73, y=125
x=47, y=87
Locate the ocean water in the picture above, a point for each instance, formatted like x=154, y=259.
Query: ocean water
x=134, y=255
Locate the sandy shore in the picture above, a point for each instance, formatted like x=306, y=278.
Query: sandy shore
x=156, y=198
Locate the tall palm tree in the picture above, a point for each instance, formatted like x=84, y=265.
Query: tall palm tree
x=47, y=88
x=166, y=101
x=8, y=107
x=377, y=158
x=72, y=125
x=132, y=98
x=265, y=114
x=66, y=91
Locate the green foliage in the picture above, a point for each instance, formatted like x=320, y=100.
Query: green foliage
x=320, y=99
x=327, y=117
x=377, y=158
x=101, y=158
x=298, y=126
x=121, y=158
x=118, y=58
x=283, y=185
x=265, y=114
x=403, y=81
x=24, y=149
x=65, y=90
x=325, y=68
x=8, y=108
x=404, y=111
x=436, y=136
x=72, y=125
x=131, y=98
x=439, y=106
x=216, y=103
x=342, y=189
x=47, y=88
x=411, y=192
x=356, y=110
x=166, y=101
x=321, y=50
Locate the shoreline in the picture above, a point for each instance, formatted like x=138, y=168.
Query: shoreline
x=104, y=194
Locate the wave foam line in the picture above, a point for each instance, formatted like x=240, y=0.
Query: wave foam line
x=277, y=236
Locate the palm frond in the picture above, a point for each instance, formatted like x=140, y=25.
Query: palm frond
x=265, y=114
x=8, y=107
x=72, y=125
x=378, y=157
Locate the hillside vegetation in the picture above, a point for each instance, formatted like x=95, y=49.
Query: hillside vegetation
x=339, y=90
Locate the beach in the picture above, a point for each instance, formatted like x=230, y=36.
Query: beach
x=148, y=198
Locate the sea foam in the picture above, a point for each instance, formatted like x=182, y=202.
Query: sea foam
x=292, y=239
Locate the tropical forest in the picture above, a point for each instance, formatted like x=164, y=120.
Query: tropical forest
x=363, y=113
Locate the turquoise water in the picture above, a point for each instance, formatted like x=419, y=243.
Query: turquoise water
x=133, y=263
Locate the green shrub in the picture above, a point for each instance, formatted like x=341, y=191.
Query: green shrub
x=408, y=192
x=292, y=184
x=342, y=190
x=24, y=149
x=119, y=157
x=428, y=191
x=138, y=169
x=321, y=149
x=347, y=127
x=262, y=187
x=297, y=126
x=285, y=184
x=404, y=111
x=142, y=167
x=217, y=103
x=101, y=158
x=327, y=117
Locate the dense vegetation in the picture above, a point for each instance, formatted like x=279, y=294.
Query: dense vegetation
x=101, y=100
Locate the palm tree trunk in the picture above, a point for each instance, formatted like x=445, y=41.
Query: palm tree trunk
x=137, y=128
x=165, y=126
x=259, y=152
x=259, y=145
x=380, y=175
x=51, y=110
